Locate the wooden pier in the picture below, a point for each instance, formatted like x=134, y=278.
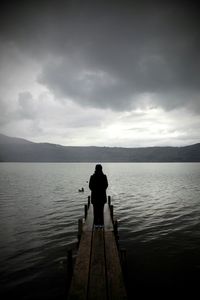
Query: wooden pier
x=97, y=272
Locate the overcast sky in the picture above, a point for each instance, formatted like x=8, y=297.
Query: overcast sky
x=104, y=73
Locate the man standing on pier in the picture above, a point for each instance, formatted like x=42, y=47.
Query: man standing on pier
x=98, y=185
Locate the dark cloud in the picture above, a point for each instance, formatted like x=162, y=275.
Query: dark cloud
x=4, y=113
x=110, y=54
x=27, y=110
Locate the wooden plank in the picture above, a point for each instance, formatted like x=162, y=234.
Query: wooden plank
x=108, y=224
x=79, y=284
x=115, y=282
x=97, y=280
x=97, y=273
x=88, y=225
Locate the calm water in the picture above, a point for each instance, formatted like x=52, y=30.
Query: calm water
x=157, y=206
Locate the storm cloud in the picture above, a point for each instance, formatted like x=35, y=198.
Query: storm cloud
x=108, y=55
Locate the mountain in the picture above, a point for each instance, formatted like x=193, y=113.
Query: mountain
x=20, y=150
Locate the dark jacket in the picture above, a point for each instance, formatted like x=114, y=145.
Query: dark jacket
x=98, y=185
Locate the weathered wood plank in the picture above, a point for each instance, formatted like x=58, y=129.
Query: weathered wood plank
x=88, y=225
x=98, y=273
x=97, y=280
x=108, y=223
x=115, y=282
x=79, y=284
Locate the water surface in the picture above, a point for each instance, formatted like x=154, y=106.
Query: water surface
x=157, y=206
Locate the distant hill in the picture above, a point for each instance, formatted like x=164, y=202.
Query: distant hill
x=20, y=150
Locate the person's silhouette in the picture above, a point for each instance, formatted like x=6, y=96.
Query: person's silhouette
x=98, y=185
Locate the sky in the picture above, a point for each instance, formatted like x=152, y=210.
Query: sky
x=101, y=73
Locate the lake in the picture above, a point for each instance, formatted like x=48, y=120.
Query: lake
x=157, y=206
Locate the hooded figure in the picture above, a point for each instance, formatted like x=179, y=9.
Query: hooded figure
x=98, y=185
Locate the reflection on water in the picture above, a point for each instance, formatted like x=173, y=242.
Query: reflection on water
x=157, y=205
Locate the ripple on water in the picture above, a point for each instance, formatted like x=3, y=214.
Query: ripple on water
x=157, y=206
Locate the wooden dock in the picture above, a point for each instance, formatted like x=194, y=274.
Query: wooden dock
x=97, y=272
